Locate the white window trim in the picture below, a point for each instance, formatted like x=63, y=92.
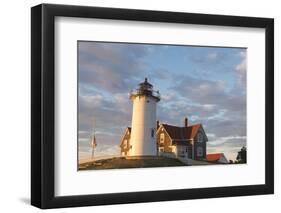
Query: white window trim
x=162, y=138
x=201, y=137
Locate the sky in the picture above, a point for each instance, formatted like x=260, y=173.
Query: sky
x=205, y=84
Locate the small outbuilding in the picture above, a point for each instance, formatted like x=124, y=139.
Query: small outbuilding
x=217, y=158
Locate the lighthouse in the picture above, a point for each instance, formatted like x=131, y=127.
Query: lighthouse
x=143, y=129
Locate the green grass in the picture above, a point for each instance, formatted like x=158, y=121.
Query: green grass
x=121, y=163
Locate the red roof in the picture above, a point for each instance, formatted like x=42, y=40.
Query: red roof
x=181, y=133
x=214, y=157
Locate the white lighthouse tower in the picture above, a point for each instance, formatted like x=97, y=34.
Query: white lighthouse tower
x=143, y=132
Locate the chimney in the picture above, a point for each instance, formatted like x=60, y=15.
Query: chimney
x=157, y=124
x=185, y=122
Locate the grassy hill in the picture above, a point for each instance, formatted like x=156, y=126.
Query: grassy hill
x=122, y=162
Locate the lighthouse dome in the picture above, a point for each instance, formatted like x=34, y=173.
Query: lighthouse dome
x=145, y=89
x=146, y=84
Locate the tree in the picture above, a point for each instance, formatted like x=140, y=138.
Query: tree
x=242, y=155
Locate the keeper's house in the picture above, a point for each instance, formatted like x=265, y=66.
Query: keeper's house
x=182, y=141
x=185, y=141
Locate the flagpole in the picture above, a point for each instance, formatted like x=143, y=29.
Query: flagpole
x=93, y=141
x=93, y=152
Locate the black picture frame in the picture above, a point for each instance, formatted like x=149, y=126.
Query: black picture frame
x=43, y=105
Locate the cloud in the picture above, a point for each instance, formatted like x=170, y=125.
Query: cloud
x=209, y=58
x=203, y=57
x=109, y=116
x=200, y=90
x=226, y=125
x=104, y=113
x=214, y=56
x=241, y=69
x=209, y=93
x=221, y=111
x=160, y=74
x=110, y=66
x=229, y=140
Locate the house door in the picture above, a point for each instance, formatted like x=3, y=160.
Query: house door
x=186, y=152
x=183, y=151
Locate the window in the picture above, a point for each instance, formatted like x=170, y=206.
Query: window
x=199, y=151
x=161, y=149
x=162, y=138
x=152, y=132
x=200, y=137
